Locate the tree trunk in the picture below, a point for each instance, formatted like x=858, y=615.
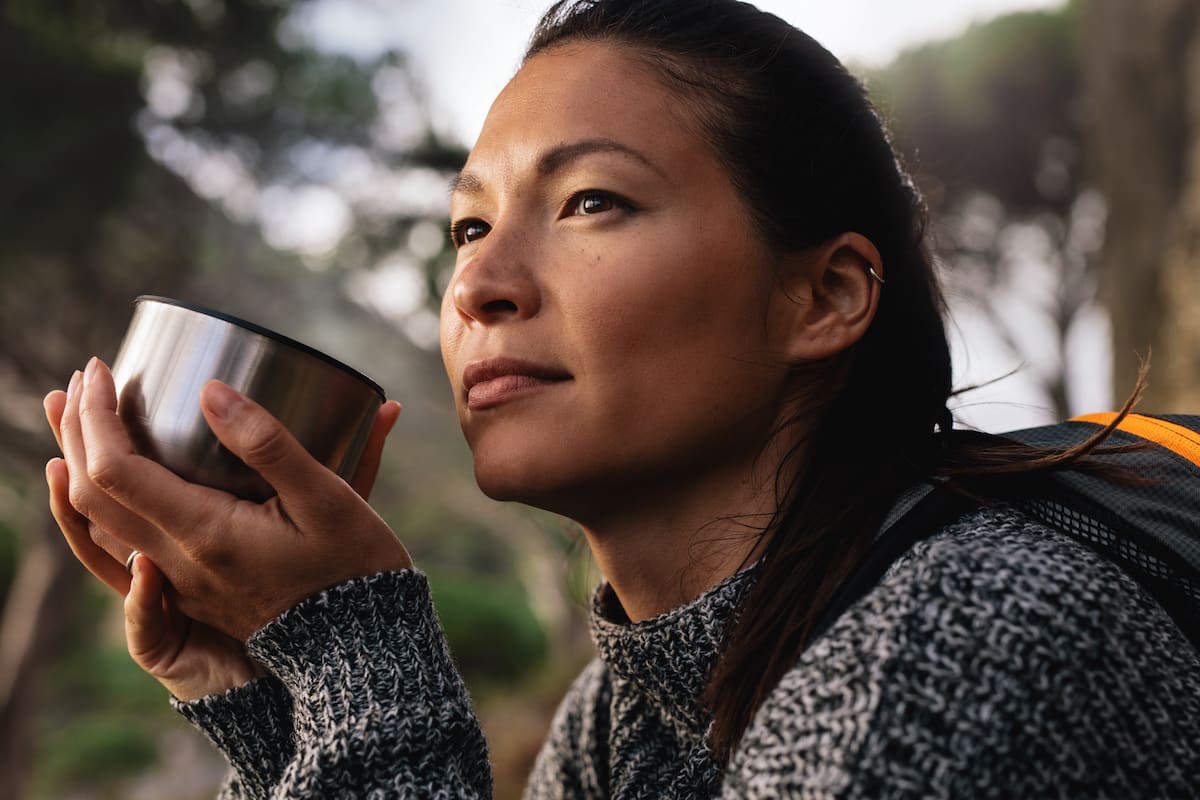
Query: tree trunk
x=1142, y=74
x=42, y=597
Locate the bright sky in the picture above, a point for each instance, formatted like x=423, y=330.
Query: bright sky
x=464, y=51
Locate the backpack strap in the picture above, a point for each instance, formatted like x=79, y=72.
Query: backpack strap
x=1176, y=437
x=920, y=512
x=1151, y=531
x=1148, y=526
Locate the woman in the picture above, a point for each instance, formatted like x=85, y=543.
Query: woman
x=693, y=311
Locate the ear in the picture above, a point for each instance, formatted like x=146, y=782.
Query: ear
x=826, y=298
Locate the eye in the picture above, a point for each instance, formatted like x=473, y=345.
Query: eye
x=594, y=201
x=465, y=231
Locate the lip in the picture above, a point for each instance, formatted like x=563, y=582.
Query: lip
x=493, y=381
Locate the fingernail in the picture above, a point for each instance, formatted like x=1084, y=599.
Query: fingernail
x=89, y=371
x=221, y=400
x=73, y=384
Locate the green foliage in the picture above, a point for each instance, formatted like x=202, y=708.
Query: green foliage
x=104, y=677
x=93, y=750
x=438, y=538
x=976, y=113
x=971, y=72
x=493, y=634
x=93, y=671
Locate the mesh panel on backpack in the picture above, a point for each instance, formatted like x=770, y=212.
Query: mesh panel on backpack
x=1150, y=527
x=1122, y=549
x=1145, y=517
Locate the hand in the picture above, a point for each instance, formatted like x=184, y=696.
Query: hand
x=232, y=565
x=189, y=658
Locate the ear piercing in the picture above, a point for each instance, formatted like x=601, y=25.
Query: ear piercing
x=871, y=271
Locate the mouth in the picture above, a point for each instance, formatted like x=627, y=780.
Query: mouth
x=494, y=381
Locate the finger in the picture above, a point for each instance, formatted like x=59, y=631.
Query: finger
x=368, y=465
x=126, y=493
x=83, y=496
x=104, y=435
x=146, y=618
x=69, y=418
x=257, y=438
x=72, y=438
x=75, y=530
x=54, y=404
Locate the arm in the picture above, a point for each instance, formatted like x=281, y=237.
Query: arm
x=375, y=702
x=251, y=726
x=215, y=569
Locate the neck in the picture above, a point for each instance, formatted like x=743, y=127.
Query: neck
x=663, y=551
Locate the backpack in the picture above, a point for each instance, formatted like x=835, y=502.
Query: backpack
x=1151, y=528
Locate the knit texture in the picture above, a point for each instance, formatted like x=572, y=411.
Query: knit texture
x=378, y=710
x=995, y=659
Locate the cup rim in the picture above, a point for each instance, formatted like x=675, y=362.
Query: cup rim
x=270, y=334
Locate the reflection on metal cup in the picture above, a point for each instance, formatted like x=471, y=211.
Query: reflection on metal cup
x=172, y=349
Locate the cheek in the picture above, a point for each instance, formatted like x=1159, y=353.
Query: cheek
x=450, y=330
x=676, y=355
x=689, y=313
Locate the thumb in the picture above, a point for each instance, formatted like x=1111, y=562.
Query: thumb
x=145, y=619
x=252, y=434
x=368, y=464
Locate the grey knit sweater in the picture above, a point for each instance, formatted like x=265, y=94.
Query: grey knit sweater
x=996, y=659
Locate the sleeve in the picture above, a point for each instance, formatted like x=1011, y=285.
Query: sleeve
x=376, y=706
x=573, y=761
x=252, y=727
x=1000, y=659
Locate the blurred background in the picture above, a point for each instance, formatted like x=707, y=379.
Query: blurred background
x=288, y=162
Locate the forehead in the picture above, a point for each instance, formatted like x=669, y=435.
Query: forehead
x=584, y=91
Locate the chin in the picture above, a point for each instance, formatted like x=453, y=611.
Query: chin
x=520, y=463
x=509, y=482
x=535, y=482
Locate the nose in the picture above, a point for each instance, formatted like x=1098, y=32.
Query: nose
x=495, y=283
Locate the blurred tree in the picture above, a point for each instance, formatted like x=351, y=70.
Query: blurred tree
x=992, y=123
x=150, y=147
x=1143, y=77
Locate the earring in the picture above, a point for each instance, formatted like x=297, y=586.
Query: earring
x=871, y=271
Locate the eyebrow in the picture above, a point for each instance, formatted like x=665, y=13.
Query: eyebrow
x=555, y=160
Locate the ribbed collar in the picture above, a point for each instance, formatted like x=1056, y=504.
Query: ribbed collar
x=669, y=658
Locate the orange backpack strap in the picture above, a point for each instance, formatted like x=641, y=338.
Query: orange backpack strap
x=1176, y=438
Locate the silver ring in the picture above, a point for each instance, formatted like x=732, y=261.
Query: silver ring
x=129, y=561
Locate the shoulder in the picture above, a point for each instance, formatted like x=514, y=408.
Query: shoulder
x=573, y=758
x=999, y=578
x=997, y=650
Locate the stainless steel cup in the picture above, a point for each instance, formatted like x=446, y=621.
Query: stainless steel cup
x=172, y=349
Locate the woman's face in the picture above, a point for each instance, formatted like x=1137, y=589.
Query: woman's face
x=609, y=324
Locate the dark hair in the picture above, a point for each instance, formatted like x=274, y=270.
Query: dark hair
x=812, y=160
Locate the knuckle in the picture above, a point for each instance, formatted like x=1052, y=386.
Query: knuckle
x=104, y=471
x=99, y=536
x=198, y=546
x=68, y=423
x=80, y=496
x=212, y=547
x=266, y=444
x=91, y=418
